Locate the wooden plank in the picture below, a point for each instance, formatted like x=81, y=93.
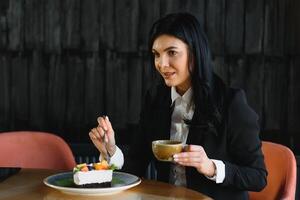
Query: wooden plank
x=170, y=6
x=254, y=78
x=110, y=69
x=4, y=93
x=116, y=89
x=149, y=13
x=234, y=41
x=276, y=93
x=94, y=89
x=107, y=24
x=248, y=75
x=57, y=93
x=126, y=25
x=53, y=22
x=34, y=24
x=237, y=67
x=71, y=24
x=3, y=30
x=19, y=93
x=90, y=25
x=293, y=117
x=292, y=27
x=15, y=25
x=4, y=5
x=215, y=24
x=75, y=95
x=38, y=79
x=195, y=7
x=254, y=22
x=274, y=27
x=221, y=68
x=135, y=71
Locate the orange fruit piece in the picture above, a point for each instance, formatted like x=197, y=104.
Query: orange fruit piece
x=101, y=166
x=84, y=169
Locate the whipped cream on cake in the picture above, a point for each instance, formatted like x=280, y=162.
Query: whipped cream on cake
x=93, y=175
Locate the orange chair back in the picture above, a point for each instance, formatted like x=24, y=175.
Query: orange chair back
x=28, y=149
x=281, y=166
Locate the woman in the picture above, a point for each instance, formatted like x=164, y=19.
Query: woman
x=223, y=158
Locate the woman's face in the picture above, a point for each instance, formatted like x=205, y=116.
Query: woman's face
x=171, y=61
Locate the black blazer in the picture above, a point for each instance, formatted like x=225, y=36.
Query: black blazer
x=236, y=143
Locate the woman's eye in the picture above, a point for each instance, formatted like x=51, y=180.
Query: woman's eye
x=172, y=53
x=156, y=55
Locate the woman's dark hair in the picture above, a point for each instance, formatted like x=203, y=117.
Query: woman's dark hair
x=187, y=28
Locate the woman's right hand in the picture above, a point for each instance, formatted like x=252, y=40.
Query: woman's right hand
x=103, y=136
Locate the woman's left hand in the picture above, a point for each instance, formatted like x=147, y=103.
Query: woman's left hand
x=195, y=156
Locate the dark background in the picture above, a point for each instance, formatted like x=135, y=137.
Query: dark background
x=65, y=62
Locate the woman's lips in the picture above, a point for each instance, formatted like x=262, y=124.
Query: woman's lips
x=168, y=75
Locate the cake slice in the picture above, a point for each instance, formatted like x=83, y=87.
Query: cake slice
x=93, y=175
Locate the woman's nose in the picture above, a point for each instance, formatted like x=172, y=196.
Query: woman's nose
x=163, y=62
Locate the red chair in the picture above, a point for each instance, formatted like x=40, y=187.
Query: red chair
x=282, y=173
x=30, y=149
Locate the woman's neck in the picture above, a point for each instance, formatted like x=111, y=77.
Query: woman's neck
x=183, y=87
x=181, y=90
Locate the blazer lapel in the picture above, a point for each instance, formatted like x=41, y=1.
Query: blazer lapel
x=195, y=129
x=164, y=111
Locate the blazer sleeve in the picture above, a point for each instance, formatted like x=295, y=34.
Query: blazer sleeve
x=246, y=170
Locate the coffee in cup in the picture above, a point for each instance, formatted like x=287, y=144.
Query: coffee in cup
x=164, y=150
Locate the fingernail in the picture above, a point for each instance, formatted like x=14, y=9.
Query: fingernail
x=175, y=156
x=107, y=118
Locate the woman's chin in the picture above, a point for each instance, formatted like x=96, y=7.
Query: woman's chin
x=169, y=83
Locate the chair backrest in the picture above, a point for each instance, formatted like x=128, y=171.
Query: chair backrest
x=30, y=149
x=281, y=166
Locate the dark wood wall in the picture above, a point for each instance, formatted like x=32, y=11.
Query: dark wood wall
x=65, y=62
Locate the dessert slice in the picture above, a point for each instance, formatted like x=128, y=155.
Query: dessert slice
x=93, y=175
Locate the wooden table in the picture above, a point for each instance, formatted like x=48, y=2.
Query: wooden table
x=28, y=184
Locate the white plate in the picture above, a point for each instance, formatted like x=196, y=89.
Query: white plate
x=64, y=182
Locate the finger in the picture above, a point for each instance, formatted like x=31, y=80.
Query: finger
x=95, y=140
x=96, y=133
x=100, y=131
x=102, y=123
x=110, y=132
x=92, y=136
x=188, y=160
x=106, y=138
x=99, y=120
x=194, y=148
x=195, y=162
x=189, y=164
x=98, y=144
x=188, y=154
x=108, y=124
